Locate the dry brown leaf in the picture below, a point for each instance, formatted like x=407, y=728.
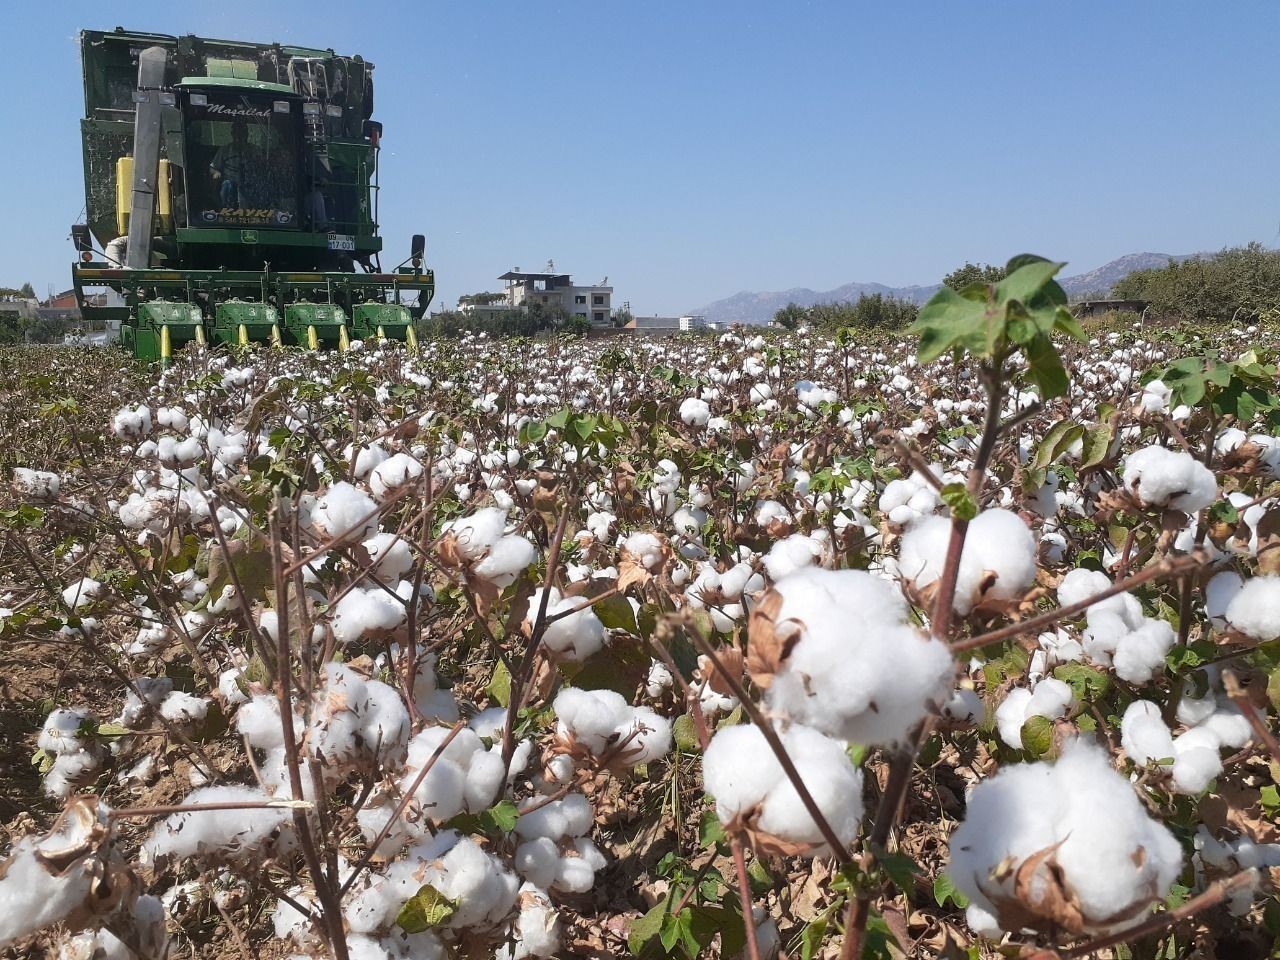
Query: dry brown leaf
x=769, y=643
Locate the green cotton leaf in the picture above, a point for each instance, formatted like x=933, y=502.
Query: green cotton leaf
x=1064, y=322
x=945, y=889
x=710, y=830
x=499, y=688
x=900, y=869
x=759, y=877
x=23, y=518
x=1026, y=282
x=560, y=419
x=685, y=734
x=1037, y=736
x=615, y=613
x=425, y=909
x=113, y=730
x=532, y=432
x=669, y=933
x=643, y=929
x=1087, y=684
x=502, y=815
x=1057, y=442
x=811, y=938
x=1097, y=441
x=1045, y=369
x=962, y=503
x=950, y=321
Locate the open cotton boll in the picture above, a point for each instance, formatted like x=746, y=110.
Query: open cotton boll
x=857, y=671
x=243, y=836
x=1255, y=609
x=536, y=929
x=1140, y=654
x=695, y=412
x=258, y=721
x=476, y=534
x=485, y=892
x=35, y=894
x=392, y=556
x=366, y=612
x=646, y=548
x=1221, y=589
x=1161, y=477
x=964, y=708
x=567, y=817
x=184, y=708
x=791, y=554
x=61, y=730
x=82, y=593
x=37, y=485
x=1144, y=735
x=344, y=512
x=1050, y=699
x=750, y=787
x=1112, y=860
x=506, y=559
x=998, y=561
x=388, y=477
x=1197, y=759
x=574, y=637
x=368, y=457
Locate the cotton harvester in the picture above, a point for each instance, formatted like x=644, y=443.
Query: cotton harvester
x=231, y=192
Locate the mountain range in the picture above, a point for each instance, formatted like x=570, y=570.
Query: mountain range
x=759, y=307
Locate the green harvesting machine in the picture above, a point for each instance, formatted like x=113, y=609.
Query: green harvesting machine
x=231, y=196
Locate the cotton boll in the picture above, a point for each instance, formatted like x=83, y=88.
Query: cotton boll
x=1221, y=589
x=1169, y=478
x=1229, y=726
x=507, y=558
x=791, y=554
x=344, y=512
x=592, y=717
x=1141, y=653
x=573, y=637
x=484, y=892
x=183, y=708
x=537, y=861
x=37, y=485
x=871, y=684
x=740, y=771
x=965, y=708
x=1197, y=760
x=258, y=721
x=695, y=412
x=1144, y=735
x=363, y=613
x=392, y=556
x=235, y=836
x=82, y=593
x=536, y=928
x=1112, y=858
x=1255, y=609
x=391, y=475
x=998, y=561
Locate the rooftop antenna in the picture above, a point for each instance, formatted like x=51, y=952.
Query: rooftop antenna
x=604, y=282
x=551, y=267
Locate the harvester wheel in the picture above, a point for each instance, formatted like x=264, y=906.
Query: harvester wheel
x=242, y=335
x=313, y=339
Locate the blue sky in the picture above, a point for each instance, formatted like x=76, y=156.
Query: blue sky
x=689, y=150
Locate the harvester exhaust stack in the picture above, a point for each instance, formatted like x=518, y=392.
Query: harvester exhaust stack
x=146, y=156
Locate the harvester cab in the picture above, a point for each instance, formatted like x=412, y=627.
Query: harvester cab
x=231, y=192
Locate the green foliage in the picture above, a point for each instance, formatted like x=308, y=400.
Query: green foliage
x=1238, y=285
x=993, y=321
x=1242, y=388
x=425, y=909
x=869, y=312
x=970, y=273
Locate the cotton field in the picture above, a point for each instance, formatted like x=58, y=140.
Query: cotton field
x=742, y=645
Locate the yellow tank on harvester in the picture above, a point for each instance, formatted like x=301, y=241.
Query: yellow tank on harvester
x=231, y=193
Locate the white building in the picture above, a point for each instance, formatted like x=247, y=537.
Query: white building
x=593, y=303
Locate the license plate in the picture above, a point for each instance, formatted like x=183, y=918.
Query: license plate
x=339, y=241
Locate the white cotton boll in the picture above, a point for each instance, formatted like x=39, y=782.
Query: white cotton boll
x=82, y=593
x=858, y=671
x=344, y=511
x=506, y=560
x=536, y=928
x=61, y=731
x=574, y=637
x=1113, y=858
x=791, y=554
x=1141, y=653
x=537, y=861
x=1169, y=478
x=1196, y=710
x=392, y=556
x=570, y=816
x=695, y=412
x=243, y=836
x=1197, y=760
x=965, y=707
x=1229, y=726
x=366, y=612
x=574, y=874
x=646, y=548
x=591, y=716
x=70, y=772
x=740, y=771
x=1144, y=735
x=1255, y=610
x=647, y=736
x=476, y=534
x=367, y=458
x=998, y=545
x=486, y=776
x=1221, y=589
x=1012, y=714
x=659, y=679
x=183, y=708
x=388, y=477
x=37, y=485
x=1155, y=397
x=484, y=892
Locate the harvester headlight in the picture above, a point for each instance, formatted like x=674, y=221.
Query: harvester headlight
x=167, y=99
x=199, y=100
x=333, y=110
x=280, y=106
x=311, y=109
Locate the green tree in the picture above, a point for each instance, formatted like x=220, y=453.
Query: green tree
x=961, y=277
x=1237, y=285
x=622, y=317
x=27, y=292
x=791, y=316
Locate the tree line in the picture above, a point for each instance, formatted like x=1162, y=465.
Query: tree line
x=1240, y=284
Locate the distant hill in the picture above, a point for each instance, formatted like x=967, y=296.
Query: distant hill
x=749, y=307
